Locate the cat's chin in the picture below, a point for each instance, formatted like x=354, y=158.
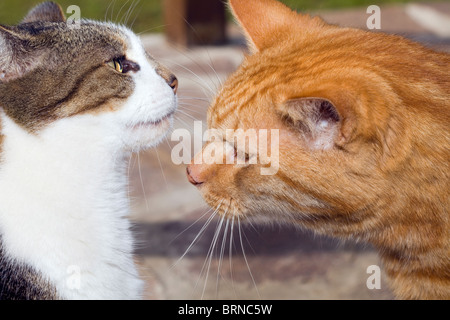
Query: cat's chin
x=145, y=135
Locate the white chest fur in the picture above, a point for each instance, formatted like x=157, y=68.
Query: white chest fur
x=63, y=208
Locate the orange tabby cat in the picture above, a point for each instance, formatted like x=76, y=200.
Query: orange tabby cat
x=364, y=143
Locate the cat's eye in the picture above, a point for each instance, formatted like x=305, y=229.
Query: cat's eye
x=122, y=65
x=116, y=64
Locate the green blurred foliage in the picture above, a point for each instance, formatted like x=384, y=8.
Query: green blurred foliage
x=146, y=15
x=141, y=15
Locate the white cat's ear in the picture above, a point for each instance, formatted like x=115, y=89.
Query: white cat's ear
x=266, y=22
x=45, y=12
x=16, y=57
x=317, y=119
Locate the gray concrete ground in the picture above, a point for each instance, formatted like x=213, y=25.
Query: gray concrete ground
x=284, y=263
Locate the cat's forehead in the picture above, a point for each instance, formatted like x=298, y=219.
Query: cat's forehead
x=87, y=37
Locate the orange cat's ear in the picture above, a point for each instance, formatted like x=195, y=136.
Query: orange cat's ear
x=267, y=21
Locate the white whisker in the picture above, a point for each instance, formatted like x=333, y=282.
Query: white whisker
x=107, y=9
x=245, y=258
x=194, y=98
x=187, y=114
x=222, y=249
x=142, y=183
x=209, y=210
x=134, y=20
x=230, y=254
x=162, y=170
x=192, y=108
x=202, y=82
x=190, y=126
x=195, y=61
x=210, y=253
x=128, y=176
x=120, y=10
x=200, y=233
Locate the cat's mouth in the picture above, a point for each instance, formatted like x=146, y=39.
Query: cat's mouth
x=153, y=123
x=165, y=118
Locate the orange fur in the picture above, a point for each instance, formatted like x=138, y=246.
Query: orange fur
x=384, y=180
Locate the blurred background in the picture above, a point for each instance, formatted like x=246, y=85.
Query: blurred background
x=199, y=42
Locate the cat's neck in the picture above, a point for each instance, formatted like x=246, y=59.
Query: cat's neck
x=411, y=235
x=66, y=164
x=64, y=192
x=414, y=247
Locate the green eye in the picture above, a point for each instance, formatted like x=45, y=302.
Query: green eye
x=116, y=65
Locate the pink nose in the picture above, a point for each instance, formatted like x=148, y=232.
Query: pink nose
x=192, y=177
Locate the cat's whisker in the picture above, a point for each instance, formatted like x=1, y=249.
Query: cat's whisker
x=201, y=82
x=131, y=10
x=211, y=253
x=112, y=10
x=193, y=98
x=210, y=65
x=191, y=123
x=189, y=126
x=183, y=103
x=193, y=106
x=245, y=257
x=190, y=226
x=249, y=242
x=230, y=255
x=195, y=61
x=206, y=259
x=162, y=170
x=142, y=183
x=120, y=10
x=209, y=57
x=253, y=226
x=222, y=249
x=188, y=115
x=134, y=20
x=199, y=234
x=184, y=107
x=151, y=29
x=191, y=118
x=167, y=141
x=128, y=176
x=107, y=9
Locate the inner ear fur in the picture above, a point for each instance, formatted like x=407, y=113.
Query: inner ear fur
x=17, y=57
x=317, y=119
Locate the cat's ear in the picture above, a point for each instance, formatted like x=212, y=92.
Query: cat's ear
x=317, y=119
x=17, y=57
x=45, y=12
x=265, y=22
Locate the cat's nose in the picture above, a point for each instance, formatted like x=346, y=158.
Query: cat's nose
x=192, y=177
x=168, y=76
x=173, y=83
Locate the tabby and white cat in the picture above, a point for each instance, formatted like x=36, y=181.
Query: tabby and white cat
x=364, y=144
x=75, y=102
